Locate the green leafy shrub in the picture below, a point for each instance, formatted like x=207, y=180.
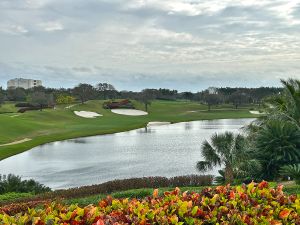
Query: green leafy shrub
x=13, y=183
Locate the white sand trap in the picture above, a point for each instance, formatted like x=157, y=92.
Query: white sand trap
x=157, y=123
x=256, y=112
x=86, y=114
x=129, y=112
x=17, y=142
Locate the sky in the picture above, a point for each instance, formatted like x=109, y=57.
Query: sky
x=186, y=45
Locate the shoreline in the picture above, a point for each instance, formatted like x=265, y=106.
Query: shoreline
x=42, y=140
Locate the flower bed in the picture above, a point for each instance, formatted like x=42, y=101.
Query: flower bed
x=252, y=204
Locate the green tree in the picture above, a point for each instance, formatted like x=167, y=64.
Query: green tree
x=85, y=92
x=64, y=99
x=146, y=97
x=17, y=94
x=286, y=106
x=41, y=99
x=1, y=97
x=277, y=144
x=227, y=150
x=238, y=98
x=211, y=99
x=106, y=90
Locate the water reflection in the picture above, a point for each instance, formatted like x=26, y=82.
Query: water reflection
x=168, y=150
x=78, y=141
x=145, y=130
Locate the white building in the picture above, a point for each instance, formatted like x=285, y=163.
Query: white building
x=23, y=83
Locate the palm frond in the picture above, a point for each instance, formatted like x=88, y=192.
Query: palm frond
x=204, y=166
x=210, y=154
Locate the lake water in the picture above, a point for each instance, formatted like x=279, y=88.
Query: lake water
x=168, y=150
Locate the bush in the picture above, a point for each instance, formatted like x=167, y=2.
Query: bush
x=134, y=183
x=12, y=183
x=123, y=185
x=252, y=204
x=124, y=104
x=22, y=110
x=24, y=104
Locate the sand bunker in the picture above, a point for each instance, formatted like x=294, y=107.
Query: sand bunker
x=256, y=112
x=129, y=112
x=86, y=114
x=157, y=123
x=16, y=142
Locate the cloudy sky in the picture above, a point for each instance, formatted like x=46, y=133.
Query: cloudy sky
x=134, y=44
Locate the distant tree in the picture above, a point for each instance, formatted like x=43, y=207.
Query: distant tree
x=64, y=99
x=1, y=99
x=85, y=92
x=39, y=89
x=146, y=97
x=188, y=95
x=41, y=99
x=17, y=94
x=211, y=99
x=165, y=94
x=106, y=90
x=238, y=98
x=105, y=87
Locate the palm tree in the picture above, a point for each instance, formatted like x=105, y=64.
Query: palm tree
x=292, y=171
x=227, y=150
x=277, y=144
x=286, y=106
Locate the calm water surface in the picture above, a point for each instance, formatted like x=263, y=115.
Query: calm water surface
x=168, y=150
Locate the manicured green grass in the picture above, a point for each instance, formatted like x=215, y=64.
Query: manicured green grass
x=60, y=124
x=13, y=196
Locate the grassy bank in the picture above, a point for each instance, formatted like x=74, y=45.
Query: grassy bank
x=60, y=124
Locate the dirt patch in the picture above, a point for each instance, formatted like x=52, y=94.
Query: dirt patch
x=16, y=142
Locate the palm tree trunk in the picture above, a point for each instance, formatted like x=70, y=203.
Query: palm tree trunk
x=228, y=174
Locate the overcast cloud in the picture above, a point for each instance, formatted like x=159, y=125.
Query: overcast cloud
x=134, y=44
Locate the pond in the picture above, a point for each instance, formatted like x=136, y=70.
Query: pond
x=168, y=150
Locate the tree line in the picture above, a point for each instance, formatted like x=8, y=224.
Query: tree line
x=84, y=92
